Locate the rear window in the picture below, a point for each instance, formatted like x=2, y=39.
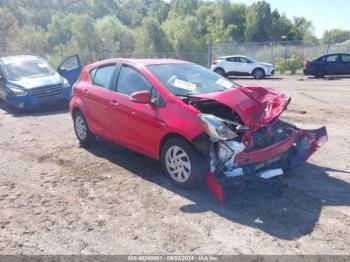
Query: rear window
x=103, y=76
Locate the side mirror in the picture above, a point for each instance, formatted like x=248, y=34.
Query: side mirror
x=141, y=97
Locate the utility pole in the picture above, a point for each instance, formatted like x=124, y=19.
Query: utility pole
x=210, y=51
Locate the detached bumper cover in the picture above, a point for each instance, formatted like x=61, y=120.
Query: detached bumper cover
x=309, y=142
x=303, y=142
x=306, y=142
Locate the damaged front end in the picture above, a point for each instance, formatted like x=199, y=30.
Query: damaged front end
x=262, y=149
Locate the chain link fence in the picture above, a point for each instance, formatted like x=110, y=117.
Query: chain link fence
x=271, y=51
x=261, y=51
x=86, y=56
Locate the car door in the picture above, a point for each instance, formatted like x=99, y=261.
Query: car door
x=334, y=65
x=232, y=65
x=134, y=125
x=345, y=58
x=244, y=65
x=70, y=69
x=3, y=92
x=97, y=99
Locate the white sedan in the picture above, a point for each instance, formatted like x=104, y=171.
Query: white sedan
x=242, y=66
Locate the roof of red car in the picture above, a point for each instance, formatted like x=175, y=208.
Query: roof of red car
x=154, y=61
x=138, y=62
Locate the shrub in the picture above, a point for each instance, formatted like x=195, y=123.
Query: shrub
x=292, y=64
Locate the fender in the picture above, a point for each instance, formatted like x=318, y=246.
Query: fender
x=77, y=103
x=258, y=67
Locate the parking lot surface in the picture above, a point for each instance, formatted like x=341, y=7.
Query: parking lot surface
x=59, y=198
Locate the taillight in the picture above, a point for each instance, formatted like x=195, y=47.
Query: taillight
x=306, y=64
x=214, y=62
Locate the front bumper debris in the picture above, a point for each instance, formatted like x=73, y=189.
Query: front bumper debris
x=269, y=162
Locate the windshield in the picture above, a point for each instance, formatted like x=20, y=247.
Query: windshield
x=190, y=79
x=29, y=68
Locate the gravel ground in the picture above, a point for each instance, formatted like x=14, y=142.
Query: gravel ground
x=59, y=198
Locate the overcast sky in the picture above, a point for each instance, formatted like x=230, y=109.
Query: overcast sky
x=324, y=14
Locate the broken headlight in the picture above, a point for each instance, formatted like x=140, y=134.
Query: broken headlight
x=216, y=127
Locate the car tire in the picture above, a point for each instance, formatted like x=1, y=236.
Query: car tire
x=258, y=73
x=319, y=74
x=81, y=128
x=220, y=71
x=185, y=166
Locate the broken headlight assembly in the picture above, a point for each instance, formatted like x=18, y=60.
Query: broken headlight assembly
x=216, y=127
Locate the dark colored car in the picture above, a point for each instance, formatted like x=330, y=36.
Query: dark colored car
x=28, y=81
x=331, y=64
x=197, y=123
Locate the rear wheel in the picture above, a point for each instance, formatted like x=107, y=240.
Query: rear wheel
x=258, y=73
x=220, y=71
x=319, y=74
x=81, y=128
x=184, y=164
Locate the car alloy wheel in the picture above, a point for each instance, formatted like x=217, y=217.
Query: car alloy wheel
x=219, y=71
x=80, y=127
x=258, y=74
x=178, y=164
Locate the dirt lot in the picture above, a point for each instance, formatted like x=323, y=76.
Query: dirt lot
x=59, y=198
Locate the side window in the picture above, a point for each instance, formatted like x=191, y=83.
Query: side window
x=345, y=58
x=131, y=81
x=333, y=58
x=322, y=59
x=70, y=63
x=92, y=75
x=244, y=60
x=103, y=76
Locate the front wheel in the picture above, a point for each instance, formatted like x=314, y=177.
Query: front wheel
x=258, y=73
x=183, y=163
x=81, y=128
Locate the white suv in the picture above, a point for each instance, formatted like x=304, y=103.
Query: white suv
x=242, y=66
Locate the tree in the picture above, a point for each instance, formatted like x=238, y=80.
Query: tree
x=258, y=22
x=151, y=37
x=7, y=26
x=303, y=30
x=280, y=26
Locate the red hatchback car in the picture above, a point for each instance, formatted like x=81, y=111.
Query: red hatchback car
x=197, y=123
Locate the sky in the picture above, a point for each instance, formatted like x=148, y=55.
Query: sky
x=324, y=14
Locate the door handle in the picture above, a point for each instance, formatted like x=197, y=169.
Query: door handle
x=114, y=103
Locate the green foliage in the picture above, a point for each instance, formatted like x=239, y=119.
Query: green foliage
x=99, y=29
x=292, y=64
x=336, y=36
x=258, y=22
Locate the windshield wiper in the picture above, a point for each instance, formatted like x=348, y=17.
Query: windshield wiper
x=185, y=95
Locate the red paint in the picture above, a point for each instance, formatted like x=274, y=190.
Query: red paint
x=141, y=97
x=215, y=187
x=267, y=153
x=256, y=106
x=142, y=126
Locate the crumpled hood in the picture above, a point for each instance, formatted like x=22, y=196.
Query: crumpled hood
x=256, y=106
x=30, y=83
